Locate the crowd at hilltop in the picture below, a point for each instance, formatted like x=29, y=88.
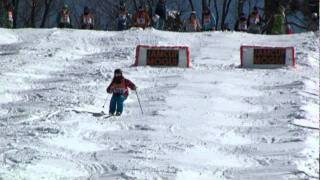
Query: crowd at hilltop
x=159, y=19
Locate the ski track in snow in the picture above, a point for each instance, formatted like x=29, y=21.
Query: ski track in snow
x=212, y=121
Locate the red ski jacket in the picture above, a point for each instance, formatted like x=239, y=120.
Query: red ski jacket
x=121, y=88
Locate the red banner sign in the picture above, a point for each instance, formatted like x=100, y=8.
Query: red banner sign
x=161, y=57
x=269, y=56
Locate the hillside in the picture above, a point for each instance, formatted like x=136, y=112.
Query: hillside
x=212, y=121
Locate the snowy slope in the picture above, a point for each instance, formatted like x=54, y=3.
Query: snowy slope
x=213, y=121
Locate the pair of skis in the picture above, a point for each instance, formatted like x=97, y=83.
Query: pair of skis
x=95, y=114
x=106, y=116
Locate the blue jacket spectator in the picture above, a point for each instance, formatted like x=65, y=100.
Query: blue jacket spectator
x=209, y=22
x=123, y=20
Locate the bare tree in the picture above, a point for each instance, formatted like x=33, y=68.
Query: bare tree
x=191, y=4
x=2, y=11
x=204, y=6
x=107, y=10
x=217, y=13
x=47, y=6
x=34, y=4
x=135, y=5
x=152, y=5
x=15, y=4
x=240, y=6
x=225, y=11
x=308, y=22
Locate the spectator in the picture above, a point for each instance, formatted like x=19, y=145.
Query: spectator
x=6, y=15
x=278, y=25
x=193, y=24
x=241, y=24
x=141, y=18
x=87, y=20
x=209, y=22
x=123, y=20
x=254, y=22
x=63, y=18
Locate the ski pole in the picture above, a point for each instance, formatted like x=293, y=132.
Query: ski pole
x=105, y=102
x=139, y=101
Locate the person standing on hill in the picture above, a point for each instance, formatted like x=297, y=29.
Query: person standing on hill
x=254, y=22
x=6, y=16
x=87, y=20
x=63, y=18
x=279, y=25
x=141, y=18
x=119, y=90
x=241, y=24
x=209, y=22
x=193, y=24
x=123, y=19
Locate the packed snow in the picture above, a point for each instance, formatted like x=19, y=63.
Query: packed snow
x=212, y=121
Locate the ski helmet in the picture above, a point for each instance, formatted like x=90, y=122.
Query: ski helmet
x=117, y=71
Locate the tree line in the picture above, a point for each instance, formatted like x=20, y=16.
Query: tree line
x=179, y=15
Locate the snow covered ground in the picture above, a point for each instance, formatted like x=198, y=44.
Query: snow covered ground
x=212, y=121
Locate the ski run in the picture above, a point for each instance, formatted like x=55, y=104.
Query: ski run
x=212, y=121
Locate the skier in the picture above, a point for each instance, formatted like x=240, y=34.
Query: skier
x=141, y=18
x=161, y=11
x=209, y=21
x=63, y=18
x=119, y=88
x=241, y=24
x=193, y=24
x=87, y=20
x=123, y=19
x=254, y=22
